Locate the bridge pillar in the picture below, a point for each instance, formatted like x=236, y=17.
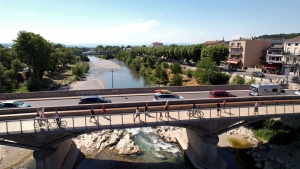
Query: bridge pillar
x=201, y=149
x=60, y=156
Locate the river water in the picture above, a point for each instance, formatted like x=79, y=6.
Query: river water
x=155, y=152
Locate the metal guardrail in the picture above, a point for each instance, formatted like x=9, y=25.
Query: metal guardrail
x=81, y=124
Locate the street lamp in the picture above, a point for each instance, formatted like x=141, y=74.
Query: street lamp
x=208, y=72
x=112, y=78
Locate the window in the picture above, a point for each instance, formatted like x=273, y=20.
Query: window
x=289, y=44
x=274, y=90
x=232, y=44
x=296, y=44
x=287, y=59
x=294, y=60
x=288, y=50
x=239, y=44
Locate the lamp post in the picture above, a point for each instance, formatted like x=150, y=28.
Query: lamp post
x=112, y=78
x=208, y=72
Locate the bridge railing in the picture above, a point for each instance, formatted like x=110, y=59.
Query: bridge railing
x=82, y=124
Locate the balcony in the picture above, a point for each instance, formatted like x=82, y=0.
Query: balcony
x=274, y=52
x=275, y=61
x=234, y=59
x=235, y=53
x=237, y=47
x=291, y=54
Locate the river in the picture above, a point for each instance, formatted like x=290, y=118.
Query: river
x=155, y=152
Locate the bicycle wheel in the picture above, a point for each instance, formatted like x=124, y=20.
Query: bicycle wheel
x=53, y=124
x=189, y=113
x=44, y=123
x=200, y=114
x=63, y=123
x=36, y=124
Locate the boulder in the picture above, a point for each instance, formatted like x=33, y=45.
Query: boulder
x=279, y=161
x=126, y=146
x=258, y=165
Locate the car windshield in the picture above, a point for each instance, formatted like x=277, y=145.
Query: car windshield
x=101, y=98
x=17, y=103
x=176, y=96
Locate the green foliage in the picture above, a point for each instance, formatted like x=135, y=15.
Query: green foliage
x=80, y=68
x=219, y=78
x=176, y=80
x=176, y=68
x=205, y=68
x=237, y=80
x=216, y=52
x=279, y=36
x=150, y=62
x=161, y=75
x=252, y=80
x=189, y=73
x=136, y=64
x=33, y=84
x=165, y=65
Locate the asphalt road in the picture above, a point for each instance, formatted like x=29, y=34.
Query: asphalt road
x=135, y=98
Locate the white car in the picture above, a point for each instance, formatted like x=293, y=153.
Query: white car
x=166, y=96
x=297, y=92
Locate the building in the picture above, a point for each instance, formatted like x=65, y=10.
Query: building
x=244, y=53
x=291, y=56
x=211, y=43
x=157, y=44
x=274, y=59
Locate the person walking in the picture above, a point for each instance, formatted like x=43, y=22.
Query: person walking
x=167, y=109
x=38, y=117
x=257, y=104
x=218, y=108
x=43, y=113
x=57, y=118
x=92, y=115
x=103, y=110
x=146, y=109
x=224, y=106
x=137, y=113
x=160, y=115
x=194, y=107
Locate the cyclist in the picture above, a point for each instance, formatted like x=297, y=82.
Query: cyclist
x=38, y=117
x=57, y=118
x=194, y=107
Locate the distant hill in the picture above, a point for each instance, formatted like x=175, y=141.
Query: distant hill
x=280, y=36
x=6, y=44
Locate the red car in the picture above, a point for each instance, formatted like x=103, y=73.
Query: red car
x=220, y=93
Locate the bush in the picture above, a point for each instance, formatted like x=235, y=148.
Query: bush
x=176, y=68
x=165, y=65
x=80, y=68
x=189, y=73
x=32, y=84
x=252, y=80
x=219, y=78
x=237, y=80
x=176, y=80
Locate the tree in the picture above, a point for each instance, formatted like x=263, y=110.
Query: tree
x=216, y=52
x=165, y=65
x=189, y=73
x=176, y=68
x=176, y=80
x=161, y=75
x=34, y=51
x=252, y=80
x=136, y=64
x=205, y=68
x=237, y=80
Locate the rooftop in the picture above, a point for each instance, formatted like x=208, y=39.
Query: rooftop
x=296, y=39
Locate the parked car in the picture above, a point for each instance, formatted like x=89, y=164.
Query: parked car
x=257, y=74
x=13, y=104
x=220, y=93
x=297, y=92
x=93, y=99
x=160, y=96
x=295, y=79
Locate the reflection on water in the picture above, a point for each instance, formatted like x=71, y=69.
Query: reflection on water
x=123, y=77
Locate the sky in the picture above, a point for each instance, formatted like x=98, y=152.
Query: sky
x=141, y=22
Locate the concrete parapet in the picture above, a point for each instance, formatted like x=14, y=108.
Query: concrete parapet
x=69, y=93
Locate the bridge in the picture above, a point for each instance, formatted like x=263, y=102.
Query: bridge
x=199, y=139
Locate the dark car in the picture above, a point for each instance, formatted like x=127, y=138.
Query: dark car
x=295, y=79
x=93, y=99
x=13, y=104
x=257, y=74
x=220, y=93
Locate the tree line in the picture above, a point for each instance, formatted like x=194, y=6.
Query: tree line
x=280, y=36
x=28, y=59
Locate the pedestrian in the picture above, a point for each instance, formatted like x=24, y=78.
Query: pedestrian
x=92, y=115
x=146, y=109
x=38, y=117
x=57, y=118
x=137, y=113
x=218, y=108
x=224, y=106
x=167, y=109
x=42, y=110
x=103, y=110
x=160, y=115
x=194, y=108
x=257, y=104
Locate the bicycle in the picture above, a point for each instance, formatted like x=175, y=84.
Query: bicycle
x=61, y=123
x=41, y=123
x=195, y=113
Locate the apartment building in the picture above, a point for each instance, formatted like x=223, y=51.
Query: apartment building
x=157, y=44
x=274, y=59
x=291, y=56
x=244, y=53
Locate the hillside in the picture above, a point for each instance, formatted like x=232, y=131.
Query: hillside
x=281, y=36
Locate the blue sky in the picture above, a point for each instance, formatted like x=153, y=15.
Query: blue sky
x=132, y=22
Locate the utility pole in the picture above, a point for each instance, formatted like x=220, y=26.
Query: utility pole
x=112, y=78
